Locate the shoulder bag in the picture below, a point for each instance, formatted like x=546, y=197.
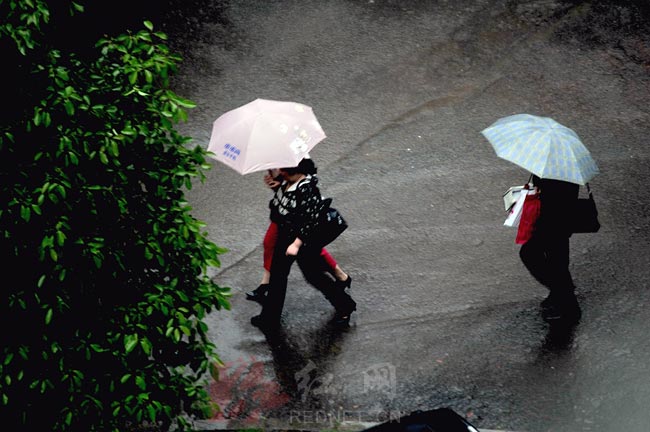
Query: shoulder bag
x=330, y=223
x=584, y=218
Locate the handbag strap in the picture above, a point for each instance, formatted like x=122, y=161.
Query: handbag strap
x=591, y=195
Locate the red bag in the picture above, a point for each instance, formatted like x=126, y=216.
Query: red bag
x=529, y=215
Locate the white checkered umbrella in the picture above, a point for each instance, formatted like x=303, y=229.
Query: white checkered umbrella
x=542, y=146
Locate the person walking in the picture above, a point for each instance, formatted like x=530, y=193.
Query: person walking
x=546, y=254
x=295, y=208
x=273, y=179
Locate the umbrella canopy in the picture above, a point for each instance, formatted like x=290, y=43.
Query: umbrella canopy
x=264, y=134
x=542, y=146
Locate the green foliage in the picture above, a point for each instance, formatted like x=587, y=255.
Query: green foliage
x=102, y=329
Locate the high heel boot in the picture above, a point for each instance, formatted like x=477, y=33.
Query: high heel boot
x=342, y=315
x=258, y=294
x=344, y=284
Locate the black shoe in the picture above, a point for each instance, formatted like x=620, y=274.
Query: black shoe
x=341, y=320
x=547, y=302
x=344, y=284
x=565, y=310
x=551, y=312
x=342, y=317
x=265, y=325
x=258, y=294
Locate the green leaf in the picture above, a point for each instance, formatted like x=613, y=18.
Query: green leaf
x=48, y=316
x=73, y=158
x=25, y=213
x=185, y=103
x=146, y=345
x=114, y=149
x=130, y=342
x=139, y=381
x=152, y=413
x=62, y=74
x=69, y=107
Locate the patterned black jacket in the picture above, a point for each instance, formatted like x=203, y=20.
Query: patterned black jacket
x=296, y=210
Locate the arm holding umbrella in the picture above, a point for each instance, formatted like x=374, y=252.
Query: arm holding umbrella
x=273, y=179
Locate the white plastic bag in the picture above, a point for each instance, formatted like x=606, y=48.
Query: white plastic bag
x=510, y=196
x=514, y=215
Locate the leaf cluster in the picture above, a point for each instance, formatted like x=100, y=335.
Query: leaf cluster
x=104, y=328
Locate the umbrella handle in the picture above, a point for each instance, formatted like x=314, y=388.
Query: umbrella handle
x=527, y=185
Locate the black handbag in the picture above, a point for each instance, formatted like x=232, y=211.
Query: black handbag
x=330, y=224
x=585, y=215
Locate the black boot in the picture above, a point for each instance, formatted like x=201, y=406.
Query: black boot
x=258, y=294
x=267, y=326
x=548, y=302
x=344, y=312
x=561, y=307
x=344, y=284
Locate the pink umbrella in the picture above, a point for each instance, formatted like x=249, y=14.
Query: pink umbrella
x=264, y=134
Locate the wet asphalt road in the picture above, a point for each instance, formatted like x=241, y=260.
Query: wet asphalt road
x=447, y=315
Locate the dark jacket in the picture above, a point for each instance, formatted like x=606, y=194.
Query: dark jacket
x=558, y=198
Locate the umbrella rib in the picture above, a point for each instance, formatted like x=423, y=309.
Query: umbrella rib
x=532, y=155
x=250, y=135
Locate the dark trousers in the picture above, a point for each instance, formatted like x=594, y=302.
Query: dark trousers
x=313, y=268
x=547, y=258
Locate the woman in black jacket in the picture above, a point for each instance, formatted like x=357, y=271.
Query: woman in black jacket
x=546, y=254
x=273, y=180
x=295, y=208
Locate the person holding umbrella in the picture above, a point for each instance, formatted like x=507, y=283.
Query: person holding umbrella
x=546, y=253
x=273, y=179
x=295, y=208
x=266, y=134
x=560, y=163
